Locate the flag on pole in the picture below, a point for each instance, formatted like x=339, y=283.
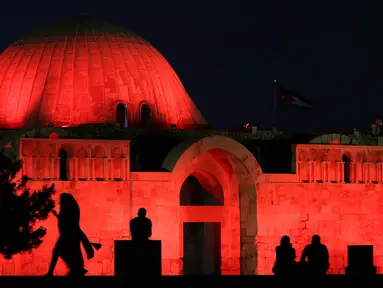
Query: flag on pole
x=288, y=97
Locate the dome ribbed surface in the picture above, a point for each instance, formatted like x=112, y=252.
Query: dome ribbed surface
x=77, y=70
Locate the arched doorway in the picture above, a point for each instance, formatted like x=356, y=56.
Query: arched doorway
x=202, y=240
x=145, y=116
x=238, y=173
x=122, y=115
x=63, y=167
x=347, y=168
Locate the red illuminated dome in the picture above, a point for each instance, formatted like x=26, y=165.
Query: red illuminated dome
x=83, y=71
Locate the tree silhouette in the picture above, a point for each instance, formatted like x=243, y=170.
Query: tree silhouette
x=20, y=209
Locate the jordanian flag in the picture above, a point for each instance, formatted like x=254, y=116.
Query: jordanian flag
x=287, y=97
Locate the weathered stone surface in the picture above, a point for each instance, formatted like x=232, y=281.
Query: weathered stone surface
x=257, y=210
x=47, y=87
x=347, y=215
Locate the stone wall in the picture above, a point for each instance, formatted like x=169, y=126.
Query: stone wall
x=106, y=209
x=342, y=214
x=272, y=205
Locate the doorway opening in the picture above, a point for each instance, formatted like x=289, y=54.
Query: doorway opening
x=202, y=248
x=201, y=240
x=237, y=171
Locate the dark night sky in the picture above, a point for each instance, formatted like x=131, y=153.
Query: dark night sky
x=227, y=53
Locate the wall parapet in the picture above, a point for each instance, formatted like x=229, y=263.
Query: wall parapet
x=75, y=160
x=339, y=163
x=281, y=178
x=151, y=176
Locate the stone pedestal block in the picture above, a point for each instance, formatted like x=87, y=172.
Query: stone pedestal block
x=360, y=260
x=137, y=258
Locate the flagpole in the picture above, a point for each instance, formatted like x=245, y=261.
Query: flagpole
x=274, y=115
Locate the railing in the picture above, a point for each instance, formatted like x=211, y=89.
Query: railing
x=340, y=172
x=85, y=169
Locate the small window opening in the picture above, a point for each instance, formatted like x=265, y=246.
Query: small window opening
x=145, y=116
x=122, y=115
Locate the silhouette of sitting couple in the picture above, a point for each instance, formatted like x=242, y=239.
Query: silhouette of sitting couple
x=68, y=246
x=314, y=260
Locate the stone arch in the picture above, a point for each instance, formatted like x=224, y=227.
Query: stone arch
x=27, y=153
x=303, y=155
x=98, y=155
x=374, y=158
x=82, y=154
x=117, y=162
x=52, y=150
x=378, y=169
x=67, y=147
x=347, y=166
x=45, y=150
x=361, y=156
x=98, y=151
x=116, y=152
x=28, y=149
x=188, y=151
x=243, y=174
x=37, y=150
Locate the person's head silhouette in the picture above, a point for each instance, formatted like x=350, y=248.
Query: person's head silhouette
x=285, y=241
x=141, y=212
x=315, y=240
x=67, y=202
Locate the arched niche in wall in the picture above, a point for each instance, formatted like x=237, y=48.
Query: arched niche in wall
x=82, y=164
x=117, y=163
x=98, y=155
x=346, y=159
x=122, y=115
x=63, y=167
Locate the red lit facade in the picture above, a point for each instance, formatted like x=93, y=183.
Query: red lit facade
x=256, y=208
x=334, y=187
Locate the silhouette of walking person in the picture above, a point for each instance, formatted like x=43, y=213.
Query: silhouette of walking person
x=317, y=257
x=285, y=264
x=141, y=227
x=68, y=246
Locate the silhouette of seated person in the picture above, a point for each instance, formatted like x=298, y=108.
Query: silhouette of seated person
x=285, y=263
x=141, y=227
x=315, y=257
x=68, y=246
